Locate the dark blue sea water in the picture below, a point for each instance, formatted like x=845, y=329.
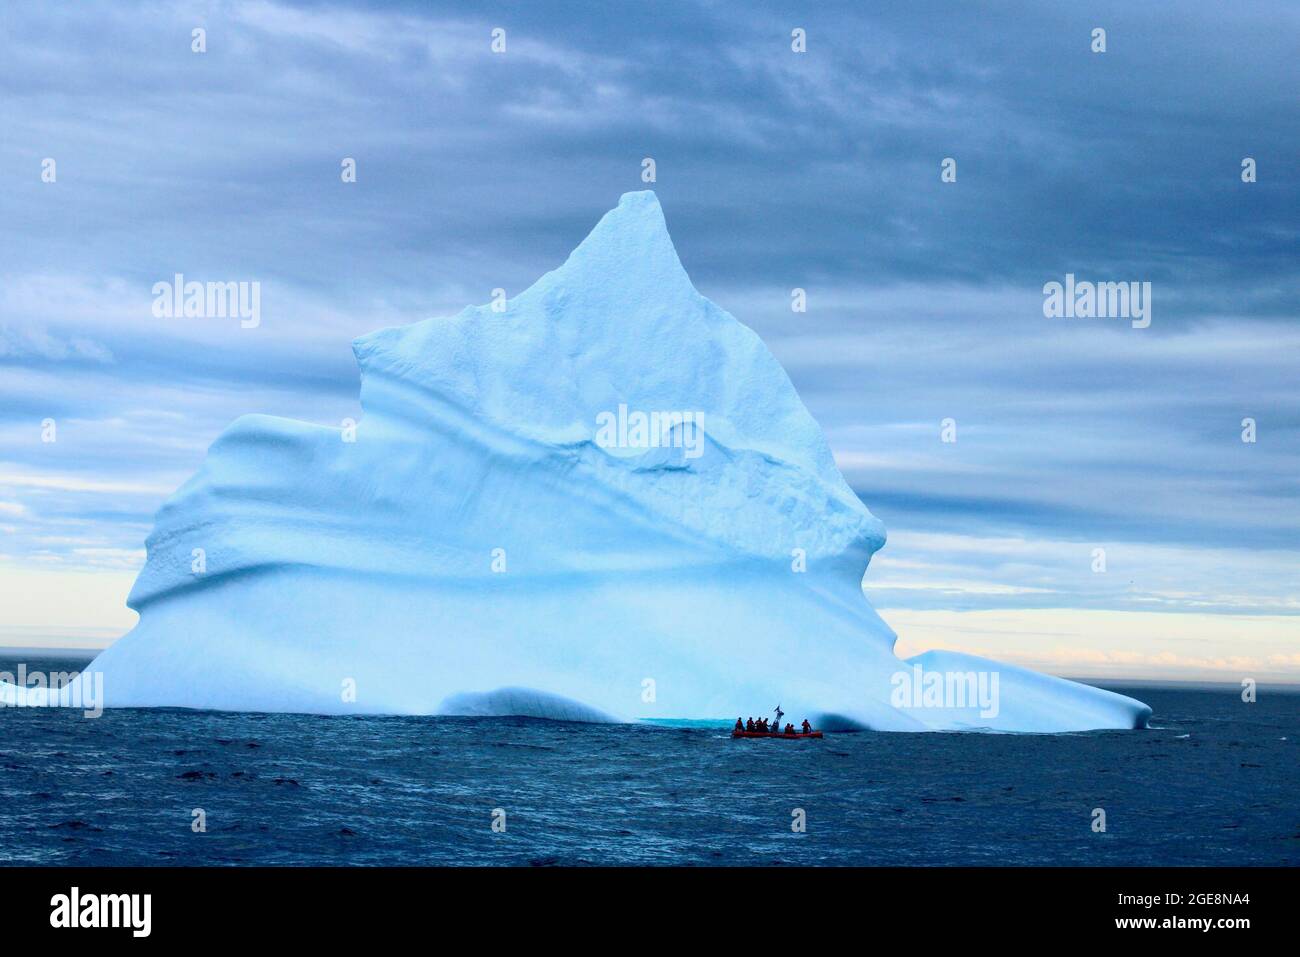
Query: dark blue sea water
x=1216, y=781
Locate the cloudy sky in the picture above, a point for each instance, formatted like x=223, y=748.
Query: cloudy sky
x=776, y=169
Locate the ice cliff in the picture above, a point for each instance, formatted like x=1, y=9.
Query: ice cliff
x=600, y=499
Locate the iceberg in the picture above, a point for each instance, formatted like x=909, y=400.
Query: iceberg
x=598, y=500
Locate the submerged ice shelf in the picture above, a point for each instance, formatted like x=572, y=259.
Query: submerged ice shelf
x=589, y=504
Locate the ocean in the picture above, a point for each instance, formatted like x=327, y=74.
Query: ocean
x=1215, y=781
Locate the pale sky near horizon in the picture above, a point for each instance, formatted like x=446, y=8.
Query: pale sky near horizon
x=775, y=170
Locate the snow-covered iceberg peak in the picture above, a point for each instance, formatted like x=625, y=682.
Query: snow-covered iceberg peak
x=600, y=499
x=618, y=336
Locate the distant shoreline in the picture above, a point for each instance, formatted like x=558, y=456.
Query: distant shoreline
x=88, y=654
x=1187, y=684
x=1172, y=684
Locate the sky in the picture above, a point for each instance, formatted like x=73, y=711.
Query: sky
x=819, y=170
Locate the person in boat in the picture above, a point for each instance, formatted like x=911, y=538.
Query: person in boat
x=749, y=725
x=740, y=725
x=807, y=728
x=789, y=728
x=762, y=725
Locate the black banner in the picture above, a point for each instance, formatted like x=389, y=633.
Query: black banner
x=331, y=905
